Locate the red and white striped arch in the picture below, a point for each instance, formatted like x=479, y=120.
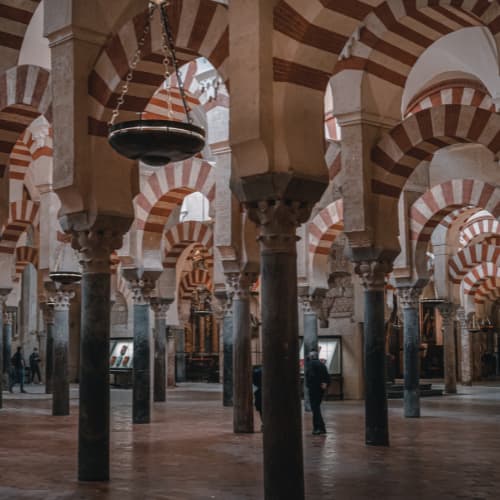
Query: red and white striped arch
x=478, y=275
x=15, y=17
x=168, y=104
x=24, y=95
x=440, y=201
x=325, y=227
x=489, y=290
x=419, y=136
x=166, y=189
x=463, y=92
x=25, y=255
x=471, y=256
x=484, y=229
x=191, y=281
x=22, y=214
x=180, y=236
x=200, y=28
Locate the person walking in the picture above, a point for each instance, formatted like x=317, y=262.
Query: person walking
x=317, y=380
x=35, y=366
x=18, y=369
x=257, y=383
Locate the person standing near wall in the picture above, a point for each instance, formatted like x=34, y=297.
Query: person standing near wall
x=18, y=370
x=317, y=380
x=35, y=366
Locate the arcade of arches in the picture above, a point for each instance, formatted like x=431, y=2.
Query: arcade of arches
x=347, y=201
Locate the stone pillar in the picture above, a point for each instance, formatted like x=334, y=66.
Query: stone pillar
x=372, y=273
x=160, y=308
x=95, y=248
x=409, y=297
x=242, y=355
x=171, y=341
x=466, y=348
x=447, y=311
x=4, y=292
x=7, y=341
x=227, y=343
x=281, y=408
x=142, y=286
x=310, y=340
x=60, y=379
x=48, y=316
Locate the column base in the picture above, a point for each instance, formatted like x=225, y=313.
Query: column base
x=411, y=403
x=375, y=439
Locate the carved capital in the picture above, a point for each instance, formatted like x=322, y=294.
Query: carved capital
x=160, y=307
x=95, y=247
x=409, y=297
x=142, y=289
x=48, y=311
x=373, y=273
x=4, y=293
x=447, y=311
x=242, y=283
x=278, y=221
x=462, y=318
x=62, y=299
x=7, y=318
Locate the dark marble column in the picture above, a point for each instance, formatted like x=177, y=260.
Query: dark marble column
x=227, y=344
x=466, y=348
x=7, y=340
x=48, y=316
x=409, y=299
x=281, y=405
x=160, y=308
x=60, y=380
x=447, y=311
x=142, y=285
x=372, y=273
x=4, y=292
x=95, y=248
x=242, y=355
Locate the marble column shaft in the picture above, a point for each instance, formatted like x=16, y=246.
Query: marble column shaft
x=281, y=405
x=447, y=310
x=160, y=308
x=310, y=342
x=3, y=298
x=141, y=388
x=373, y=275
x=242, y=355
x=409, y=298
x=95, y=248
x=60, y=381
x=7, y=339
x=227, y=372
x=48, y=314
x=466, y=349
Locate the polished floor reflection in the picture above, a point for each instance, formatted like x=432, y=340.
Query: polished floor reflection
x=190, y=452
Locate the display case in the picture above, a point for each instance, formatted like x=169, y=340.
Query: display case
x=121, y=358
x=330, y=353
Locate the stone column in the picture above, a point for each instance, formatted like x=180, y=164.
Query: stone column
x=142, y=287
x=466, y=348
x=95, y=248
x=60, y=380
x=4, y=292
x=7, y=341
x=171, y=341
x=409, y=297
x=242, y=355
x=227, y=343
x=281, y=406
x=447, y=311
x=160, y=308
x=310, y=339
x=372, y=273
x=48, y=316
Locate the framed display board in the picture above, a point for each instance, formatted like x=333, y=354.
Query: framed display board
x=121, y=354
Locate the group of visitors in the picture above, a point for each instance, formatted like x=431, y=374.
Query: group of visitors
x=16, y=374
x=317, y=380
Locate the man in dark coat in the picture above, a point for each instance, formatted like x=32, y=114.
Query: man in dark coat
x=35, y=366
x=257, y=382
x=317, y=379
x=18, y=370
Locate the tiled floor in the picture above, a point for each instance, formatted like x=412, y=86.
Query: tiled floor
x=189, y=451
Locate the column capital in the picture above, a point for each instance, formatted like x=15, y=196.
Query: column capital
x=409, y=296
x=142, y=283
x=62, y=299
x=219, y=304
x=278, y=221
x=4, y=293
x=312, y=301
x=95, y=247
x=241, y=283
x=7, y=318
x=447, y=311
x=48, y=311
x=373, y=273
x=160, y=307
x=462, y=317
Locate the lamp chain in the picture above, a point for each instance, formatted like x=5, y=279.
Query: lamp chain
x=133, y=64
